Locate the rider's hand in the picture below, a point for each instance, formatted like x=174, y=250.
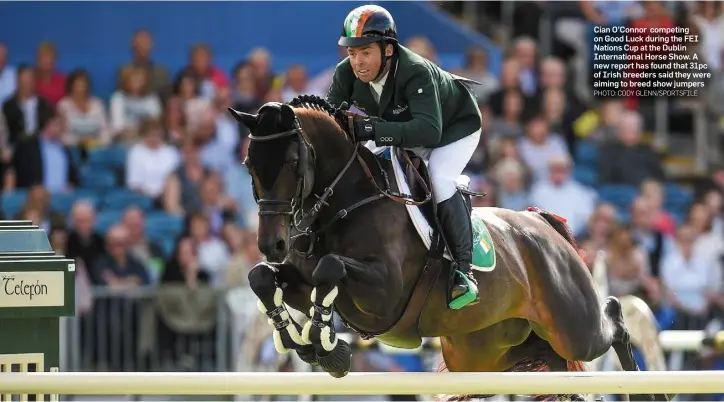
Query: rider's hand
x=364, y=129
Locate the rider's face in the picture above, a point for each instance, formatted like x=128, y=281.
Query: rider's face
x=365, y=60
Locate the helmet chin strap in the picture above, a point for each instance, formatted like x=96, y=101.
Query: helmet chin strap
x=385, y=58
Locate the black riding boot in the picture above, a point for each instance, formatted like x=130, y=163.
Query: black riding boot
x=458, y=232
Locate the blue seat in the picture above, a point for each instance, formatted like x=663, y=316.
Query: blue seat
x=586, y=154
x=97, y=179
x=167, y=246
x=125, y=198
x=677, y=197
x=620, y=195
x=586, y=175
x=161, y=226
x=12, y=202
x=106, y=219
x=62, y=202
x=113, y=157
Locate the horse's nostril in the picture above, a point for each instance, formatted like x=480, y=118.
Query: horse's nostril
x=280, y=246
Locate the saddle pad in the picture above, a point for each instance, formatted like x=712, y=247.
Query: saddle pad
x=483, y=249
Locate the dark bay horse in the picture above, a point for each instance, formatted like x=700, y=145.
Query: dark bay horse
x=335, y=242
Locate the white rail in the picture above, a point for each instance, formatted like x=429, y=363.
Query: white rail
x=670, y=340
x=690, y=382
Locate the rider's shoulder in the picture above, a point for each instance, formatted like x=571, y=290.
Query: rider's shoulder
x=412, y=64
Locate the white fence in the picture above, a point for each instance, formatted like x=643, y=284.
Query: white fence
x=672, y=382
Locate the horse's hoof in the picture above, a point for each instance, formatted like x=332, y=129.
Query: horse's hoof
x=339, y=361
x=308, y=355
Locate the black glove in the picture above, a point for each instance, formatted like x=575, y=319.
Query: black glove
x=364, y=129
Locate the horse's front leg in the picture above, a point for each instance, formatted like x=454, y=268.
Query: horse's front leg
x=287, y=332
x=335, y=354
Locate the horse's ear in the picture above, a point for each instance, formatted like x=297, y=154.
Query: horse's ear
x=287, y=114
x=249, y=120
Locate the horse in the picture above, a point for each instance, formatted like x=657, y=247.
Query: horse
x=338, y=237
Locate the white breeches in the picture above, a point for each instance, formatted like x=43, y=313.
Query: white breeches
x=447, y=163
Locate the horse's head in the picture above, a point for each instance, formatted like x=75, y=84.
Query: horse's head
x=281, y=164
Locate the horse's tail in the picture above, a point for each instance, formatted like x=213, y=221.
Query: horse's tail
x=559, y=225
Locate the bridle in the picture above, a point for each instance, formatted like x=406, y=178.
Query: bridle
x=294, y=207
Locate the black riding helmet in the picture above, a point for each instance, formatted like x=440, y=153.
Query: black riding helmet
x=369, y=24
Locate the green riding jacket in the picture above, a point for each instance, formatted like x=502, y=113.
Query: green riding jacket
x=422, y=104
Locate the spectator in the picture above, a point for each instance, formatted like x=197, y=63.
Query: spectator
x=25, y=112
x=238, y=185
x=553, y=75
x=181, y=194
x=117, y=268
x=211, y=251
x=628, y=268
x=627, y=160
x=133, y=103
x=653, y=191
x=260, y=61
x=710, y=22
x=296, y=83
x=45, y=160
x=598, y=231
x=145, y=251
x=8, y=75
x=244, y=93
x=85, y=114
x=217, y=148
x=607, y=126
x=217, y=206
x=227, y=128
x=49, y=81
x=208, y=78
x=714, y=200
x=476, y=68
x=423, y=47
x=510, y=123
x=652, y=240
x=509, y=82
x=539, y=146
x=84, y=243
x=58, y=238
x=525, y=52
x=238, y=266
x=562, y=195
x=159, y=80
x=707, y=243
x=512, y=194
x=37, y=209
x=151, y=161
x=555, y=110
x=691, y=279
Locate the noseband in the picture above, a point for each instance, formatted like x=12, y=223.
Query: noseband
x=294, y=207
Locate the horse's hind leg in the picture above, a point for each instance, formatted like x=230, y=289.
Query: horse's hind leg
x=287, y=332
x=622, y=346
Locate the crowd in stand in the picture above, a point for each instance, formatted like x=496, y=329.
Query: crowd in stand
x=165, y=144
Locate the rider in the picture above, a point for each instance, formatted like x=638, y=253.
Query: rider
x=413, y=104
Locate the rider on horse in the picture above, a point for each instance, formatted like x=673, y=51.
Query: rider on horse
x=414, y=104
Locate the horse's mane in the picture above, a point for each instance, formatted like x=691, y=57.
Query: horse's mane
x=316, y=111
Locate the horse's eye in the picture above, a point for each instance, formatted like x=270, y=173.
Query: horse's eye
x=294, y=165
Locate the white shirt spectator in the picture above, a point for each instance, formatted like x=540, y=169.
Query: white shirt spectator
x=147, y=168
x=127, y=111
x=537, y=156
x=690, y=280
x=564, y=196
